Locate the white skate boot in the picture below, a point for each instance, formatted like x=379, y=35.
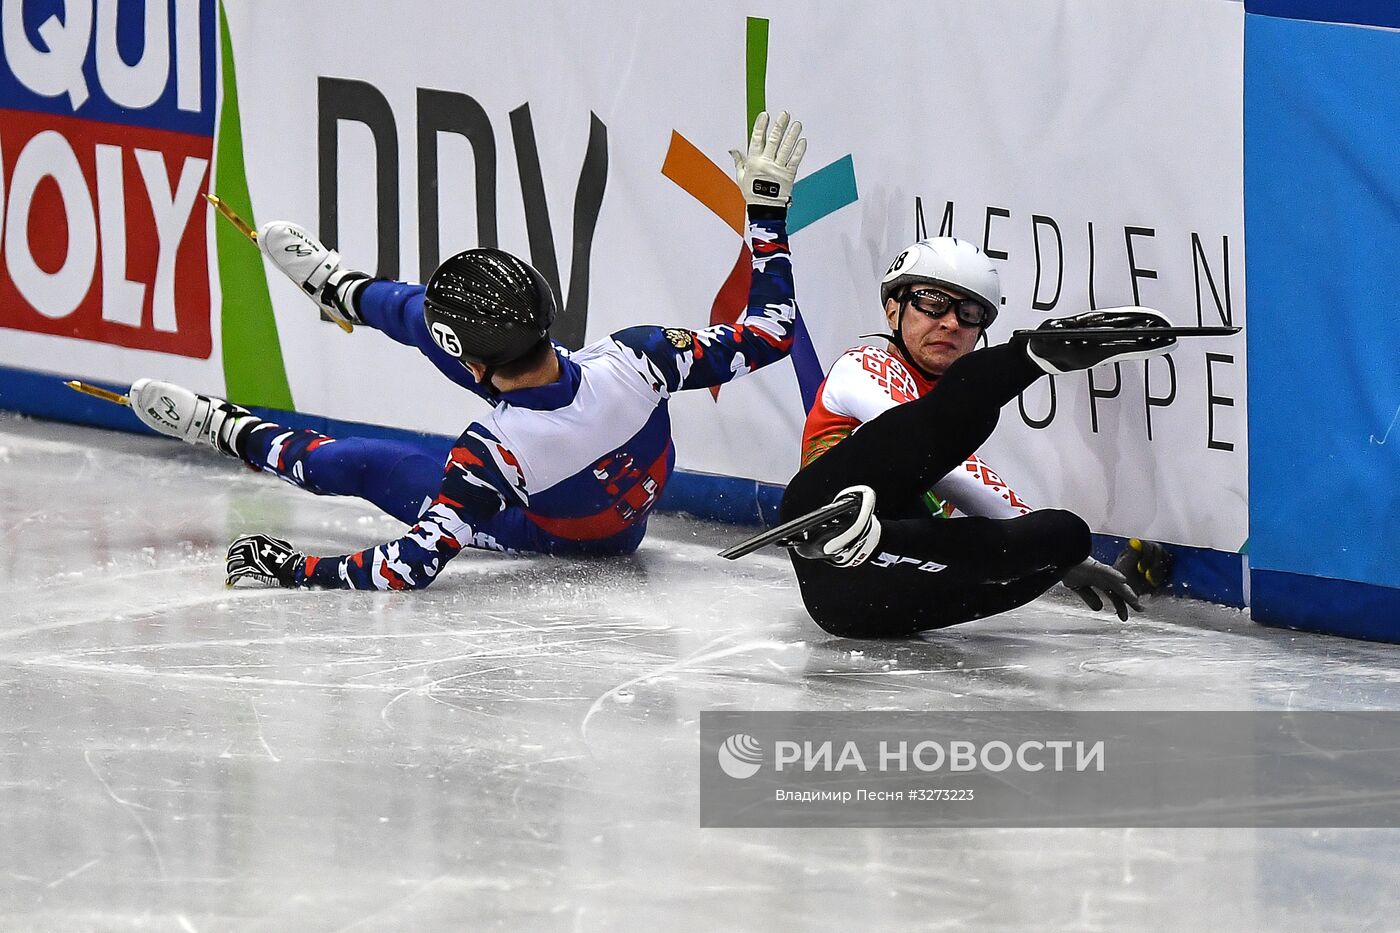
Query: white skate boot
x=850, y=540
x=844, y=532
x=195, y=419
x=315, y=269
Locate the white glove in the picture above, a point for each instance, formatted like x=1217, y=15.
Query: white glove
x=315, y=269
x=766, y=176
x=1091, y=575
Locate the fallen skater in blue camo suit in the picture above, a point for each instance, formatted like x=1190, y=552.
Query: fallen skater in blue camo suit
x=578, y=448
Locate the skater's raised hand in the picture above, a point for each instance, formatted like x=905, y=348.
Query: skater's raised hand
x=766, y=175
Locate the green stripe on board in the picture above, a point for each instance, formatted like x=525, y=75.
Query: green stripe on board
x=254, y=373
x=756, y=60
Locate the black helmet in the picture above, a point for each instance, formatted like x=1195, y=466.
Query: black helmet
x=489, y=307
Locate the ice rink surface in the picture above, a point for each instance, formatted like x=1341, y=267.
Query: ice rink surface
x=516, y=748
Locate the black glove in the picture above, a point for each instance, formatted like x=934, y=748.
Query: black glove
x=261, y=560
x=1146, y=565
x=1086, y=578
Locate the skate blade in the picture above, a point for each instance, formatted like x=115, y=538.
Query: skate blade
x=784, y=535
x=232, y=217
x=1113, y=333
x=98, y=392
x=243, y=227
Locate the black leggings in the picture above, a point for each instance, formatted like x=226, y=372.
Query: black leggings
x=932, y=572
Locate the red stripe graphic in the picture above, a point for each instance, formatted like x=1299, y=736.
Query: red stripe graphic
x=614, y=519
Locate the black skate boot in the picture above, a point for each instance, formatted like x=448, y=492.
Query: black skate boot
x=1055, y=348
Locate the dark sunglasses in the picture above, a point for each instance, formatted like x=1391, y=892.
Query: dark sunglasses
x=935, y=304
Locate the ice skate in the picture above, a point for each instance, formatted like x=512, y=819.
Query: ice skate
x=846, y=542
x=195, y=419
x=845, y=532
x=314, y=268
x=1055, y=348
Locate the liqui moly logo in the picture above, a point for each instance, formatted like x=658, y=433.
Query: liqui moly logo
x=106, y=136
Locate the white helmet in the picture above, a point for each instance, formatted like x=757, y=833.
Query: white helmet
x=945, y=260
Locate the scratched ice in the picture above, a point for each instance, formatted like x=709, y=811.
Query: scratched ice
x=516, y=748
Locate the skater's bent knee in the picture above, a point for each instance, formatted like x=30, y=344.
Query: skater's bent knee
x=1073, y=532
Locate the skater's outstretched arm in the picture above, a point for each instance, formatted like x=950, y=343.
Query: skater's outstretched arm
x=976, y=489
x=676, y=358
x=480, y=479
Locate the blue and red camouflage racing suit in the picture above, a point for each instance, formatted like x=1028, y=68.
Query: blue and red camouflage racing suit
x=570, y=468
